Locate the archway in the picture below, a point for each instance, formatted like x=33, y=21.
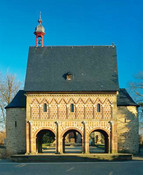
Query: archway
x=72, y=142
x=45, y=141
x=98, y=142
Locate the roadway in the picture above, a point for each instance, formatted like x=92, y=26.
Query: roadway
x=134, y=167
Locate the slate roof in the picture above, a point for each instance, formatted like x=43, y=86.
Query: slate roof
x=123, y=99
x=19, y=101
x=93, y=68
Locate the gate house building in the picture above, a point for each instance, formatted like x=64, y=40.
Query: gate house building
x=71, y=88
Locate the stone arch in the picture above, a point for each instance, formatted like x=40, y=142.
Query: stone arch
x=44, y=128
x=40, y=136
x=77, y=148
x=106, y=135
x=71, y=128
x=99, y=128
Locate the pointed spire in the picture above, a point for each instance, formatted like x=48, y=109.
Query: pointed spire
x=40, y=14
x=39, y=32
x=40, y=20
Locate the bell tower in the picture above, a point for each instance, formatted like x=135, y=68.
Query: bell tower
x=39, y=32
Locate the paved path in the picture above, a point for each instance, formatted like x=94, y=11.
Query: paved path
x=74, y=149
x=71, y=168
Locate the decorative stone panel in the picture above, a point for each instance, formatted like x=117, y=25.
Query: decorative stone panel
x=58, y=106
x=60, y=118
x=37, y=126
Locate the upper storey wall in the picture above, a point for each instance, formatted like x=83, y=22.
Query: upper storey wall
x=59, y=106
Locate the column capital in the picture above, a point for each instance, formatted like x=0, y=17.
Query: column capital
x=30, y=121
x=112, y=105
x=56, y=122
x=83, y=122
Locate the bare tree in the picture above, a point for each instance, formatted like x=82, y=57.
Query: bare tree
x=137, y=92
x=9, y=86
x=137, y=88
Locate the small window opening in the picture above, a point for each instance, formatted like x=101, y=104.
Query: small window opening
x=15, y=124
x=45, y=107
x=68, y=76
x=98, y=108
x=72, y=107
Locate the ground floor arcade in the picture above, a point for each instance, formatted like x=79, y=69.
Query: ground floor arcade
x=71, y=137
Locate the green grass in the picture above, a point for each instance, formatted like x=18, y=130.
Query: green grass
x=100, y=146
x=45, y=145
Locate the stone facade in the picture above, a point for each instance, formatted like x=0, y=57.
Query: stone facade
x=120, y=124
x=64, y=97
x=128, y=136
x=15, y=131
x=59, y=119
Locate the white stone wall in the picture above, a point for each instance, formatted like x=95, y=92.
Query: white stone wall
x=15, y=132
x=128, y=129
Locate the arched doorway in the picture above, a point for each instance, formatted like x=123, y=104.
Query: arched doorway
x=72, y=142
x=98, y=142
x=45, y=141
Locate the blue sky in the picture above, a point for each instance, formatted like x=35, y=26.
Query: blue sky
x=73, y=22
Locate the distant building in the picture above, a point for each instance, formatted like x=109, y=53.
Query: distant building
x=71, y=89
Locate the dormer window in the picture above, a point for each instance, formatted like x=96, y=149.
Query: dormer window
x=68, y=76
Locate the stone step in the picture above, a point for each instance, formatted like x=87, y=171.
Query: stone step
x=70, y=157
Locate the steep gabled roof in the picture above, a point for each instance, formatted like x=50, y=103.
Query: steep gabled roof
x=93, y=68
x=124, y=99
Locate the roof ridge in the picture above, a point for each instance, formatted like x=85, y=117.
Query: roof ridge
x=76, y=46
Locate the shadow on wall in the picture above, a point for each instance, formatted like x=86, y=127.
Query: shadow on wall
x=128, y=126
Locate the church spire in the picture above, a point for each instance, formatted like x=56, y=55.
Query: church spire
x=40, y=20
x=39, y=32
